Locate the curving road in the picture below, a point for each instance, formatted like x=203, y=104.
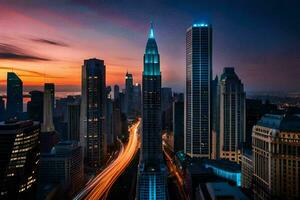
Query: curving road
x=99, y=187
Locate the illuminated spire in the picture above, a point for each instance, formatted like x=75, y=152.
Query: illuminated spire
x=151, y=32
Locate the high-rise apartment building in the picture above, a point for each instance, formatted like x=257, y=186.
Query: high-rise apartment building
x=198, y=91
x=152, y=175
x=232, y=115
x=94, y=100
x=276, y=157
x=14, y=104
x=19, y=159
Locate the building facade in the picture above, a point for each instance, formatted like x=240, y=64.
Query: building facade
x=19, y=159
x=198, y=90
x=178, y=123
x=64, y=166
x=129, y=95
x=73, y=120
x=35, y=106
x=276, y=157
x=152, y=175
x=14, y=104
x=232, y=115
x=95, y=105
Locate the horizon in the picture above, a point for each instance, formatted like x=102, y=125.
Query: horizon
x=47, y=37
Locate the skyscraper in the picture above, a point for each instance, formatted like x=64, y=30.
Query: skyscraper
x=137, y=92
x=73, y=120
x=51, y=87
x=95, y=105
x=198, y=90
x=166, y=108
x=14, y=104
x=232, y=115
x=2, y=109
x=48, y=125
x=35, y=106
x=276, y=157
x=178, y=122
x=48, y=135
x=19, y=159
x=116, y=92
x=129, y=94
x=152, y=171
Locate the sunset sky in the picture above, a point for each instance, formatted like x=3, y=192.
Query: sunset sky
x=43, y=40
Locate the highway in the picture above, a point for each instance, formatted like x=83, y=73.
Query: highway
x=99, y=187
x=174, y=171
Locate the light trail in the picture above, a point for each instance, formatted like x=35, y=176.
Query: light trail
x=173, y=169
x=99, y=187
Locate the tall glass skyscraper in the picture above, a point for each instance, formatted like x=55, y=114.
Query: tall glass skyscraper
x=152, y=171
x=94, y=103
x=198, y=91
x=14, y=94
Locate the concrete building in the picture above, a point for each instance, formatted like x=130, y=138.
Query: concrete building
x=247, y=169
x=276, y=157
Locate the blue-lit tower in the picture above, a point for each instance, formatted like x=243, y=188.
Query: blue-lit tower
x=198, y=91
x=152, y=171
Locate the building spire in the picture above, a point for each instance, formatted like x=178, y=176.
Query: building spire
x=151, y=32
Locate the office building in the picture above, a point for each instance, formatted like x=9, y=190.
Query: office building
x=14, y=104
x=129, y=95
x=232, y=115
x=116, y=126
x=73, y=120
x=108, y=117
x=83, y=111
x=198, y=91
x=137, y=98
x=178, y=122
x=215, y=133
x=35, y=106
x=2, y=109
x=63, y=166
x=51, y=87
x=152, y=175
x=94, y=100
x=19, y=159
x=116, y=92
x=48, y=136
x=166, y=108
x=276, y=157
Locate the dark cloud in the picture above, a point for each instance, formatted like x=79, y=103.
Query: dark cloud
x=50, y=42
x=12, y=52
x=31, y=73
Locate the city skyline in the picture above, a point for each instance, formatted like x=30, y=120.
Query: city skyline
x=46, y=37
